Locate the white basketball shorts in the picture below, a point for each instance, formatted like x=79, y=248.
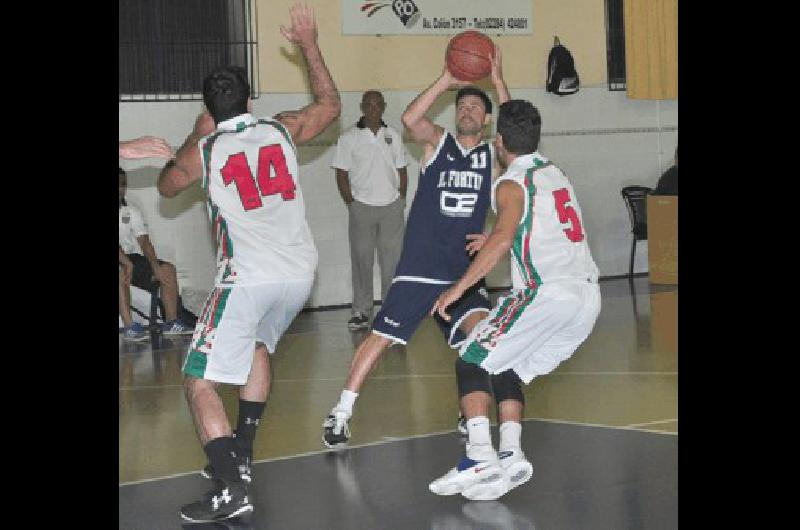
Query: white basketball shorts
x=233, y=319
x=533, y=330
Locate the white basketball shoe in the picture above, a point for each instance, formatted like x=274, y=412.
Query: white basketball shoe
x=517, y=467
x=486, y=475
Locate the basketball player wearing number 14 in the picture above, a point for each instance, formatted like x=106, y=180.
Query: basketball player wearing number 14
x=266, y=256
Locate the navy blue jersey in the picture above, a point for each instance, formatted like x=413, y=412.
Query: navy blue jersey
x=452, y=197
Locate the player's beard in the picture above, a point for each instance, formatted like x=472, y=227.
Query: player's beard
x=472, y=128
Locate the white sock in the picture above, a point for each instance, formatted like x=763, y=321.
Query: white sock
x=346, y=402
x=510, y=432
x=479, y=445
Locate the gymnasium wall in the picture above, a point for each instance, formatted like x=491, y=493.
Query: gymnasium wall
x=601, y=139
x=404, y=62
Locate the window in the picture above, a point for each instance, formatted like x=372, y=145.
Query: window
x=615, y=45
x=167, y=47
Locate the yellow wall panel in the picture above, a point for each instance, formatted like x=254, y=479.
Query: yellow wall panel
x=406, y=62
x=651, y=48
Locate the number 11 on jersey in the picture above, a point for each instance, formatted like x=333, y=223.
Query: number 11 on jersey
x=238, y=171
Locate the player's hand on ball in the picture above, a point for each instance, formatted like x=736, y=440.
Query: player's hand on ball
x=452, y=81
x=476, y=242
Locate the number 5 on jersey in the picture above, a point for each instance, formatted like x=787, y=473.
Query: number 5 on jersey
x=270, y=157
x=567, y=214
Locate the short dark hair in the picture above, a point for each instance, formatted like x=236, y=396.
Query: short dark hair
x=122, y=172
x=475, y=91
x=225, y=92
x=520, y=125
x=371, y=92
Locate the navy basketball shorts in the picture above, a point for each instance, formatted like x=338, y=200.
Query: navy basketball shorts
x=408, y=303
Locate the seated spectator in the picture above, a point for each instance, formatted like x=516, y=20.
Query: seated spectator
x=668, y=183
x=139, y=266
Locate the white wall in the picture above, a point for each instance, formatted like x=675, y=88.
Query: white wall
x=602, y=140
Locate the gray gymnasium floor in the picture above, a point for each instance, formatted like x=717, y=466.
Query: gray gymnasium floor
x=601, y=432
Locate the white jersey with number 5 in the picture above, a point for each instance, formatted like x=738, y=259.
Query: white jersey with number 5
x=255, y=206
x=550, y=243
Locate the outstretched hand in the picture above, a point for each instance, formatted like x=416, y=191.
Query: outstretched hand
x=303, y=30
x=145, y=147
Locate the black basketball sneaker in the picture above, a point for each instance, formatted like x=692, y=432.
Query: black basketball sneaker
x=228, y=500
x=336, y=430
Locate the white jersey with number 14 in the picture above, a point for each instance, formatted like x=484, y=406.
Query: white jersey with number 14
x=255, y=206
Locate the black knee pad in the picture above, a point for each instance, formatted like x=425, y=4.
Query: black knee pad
x=471, y=378
x=507, y=385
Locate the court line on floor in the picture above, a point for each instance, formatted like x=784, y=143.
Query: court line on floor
x=387, y=440
x=635, y=425
x=403, y=376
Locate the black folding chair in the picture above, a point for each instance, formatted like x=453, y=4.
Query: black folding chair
x=636, y=202
x=155, y=307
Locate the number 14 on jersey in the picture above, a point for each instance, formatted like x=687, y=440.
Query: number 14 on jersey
x=270, y=160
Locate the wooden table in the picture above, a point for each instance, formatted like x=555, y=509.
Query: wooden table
x=662, y=238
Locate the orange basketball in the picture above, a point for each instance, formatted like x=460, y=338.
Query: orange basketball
x=469, y=55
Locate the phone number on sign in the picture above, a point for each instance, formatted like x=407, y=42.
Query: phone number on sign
x=476, y=23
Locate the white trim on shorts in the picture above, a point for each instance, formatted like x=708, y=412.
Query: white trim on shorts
x=421, y=279
x=458, y=323
x=387, y=336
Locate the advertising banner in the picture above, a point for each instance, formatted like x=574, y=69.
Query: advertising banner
x=436, y=17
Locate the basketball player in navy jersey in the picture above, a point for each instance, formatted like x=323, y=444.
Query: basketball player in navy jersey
x=449, y=209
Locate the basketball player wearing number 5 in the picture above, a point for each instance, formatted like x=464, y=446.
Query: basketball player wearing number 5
x=555, y=299
x=266, y=257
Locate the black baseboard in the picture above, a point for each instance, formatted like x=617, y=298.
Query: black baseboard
x=490, y=289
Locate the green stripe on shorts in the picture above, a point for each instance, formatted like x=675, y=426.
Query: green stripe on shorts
x=507, y=316
x=195, y=364
x=196, y=360
x=475, y=353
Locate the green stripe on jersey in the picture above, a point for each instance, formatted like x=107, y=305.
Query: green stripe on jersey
x=221, y=233
x=225, y=237
x=523, y=234
x=206, y=152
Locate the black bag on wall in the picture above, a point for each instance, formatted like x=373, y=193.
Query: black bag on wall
x=562, y=78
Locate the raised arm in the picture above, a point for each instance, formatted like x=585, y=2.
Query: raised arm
x=497, y=76
x=419, y=126
x=187, y=166
x=510, y=205
x=311, y=120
